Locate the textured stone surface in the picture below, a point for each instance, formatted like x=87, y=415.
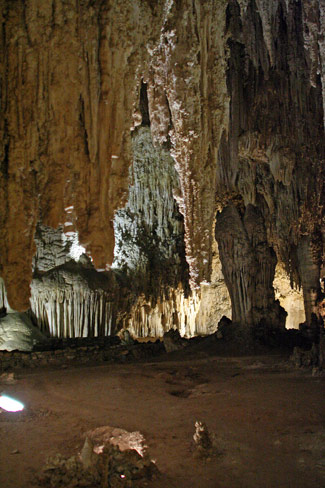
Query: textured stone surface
x=187, y=78
x=68, y=87
x=248, y=264
x=150, y=253
x=149, y=230
x=267, y=157
x=72, y=301
x=235, y=97
x=66, y=126
x=55, y=247
x=18, y=333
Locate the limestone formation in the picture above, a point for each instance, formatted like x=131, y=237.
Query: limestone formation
x=214, y=109
x=110, y=457
x=17, y=332
x=248, y=265
x=290, y=298
x=149, y=230
x=267, y=159
x=201, y=436
x=73, y=302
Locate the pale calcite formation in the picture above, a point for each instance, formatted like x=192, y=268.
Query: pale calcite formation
x=72, y=301
x=149, y=230
x=195, y=314
x=17, y=332
x=55, y=247
x=291, y=299
x=4, y=305
x=215, y=301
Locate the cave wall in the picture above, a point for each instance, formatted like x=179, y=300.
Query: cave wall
x=70, y=90
x=273, y=156
x=235, y=94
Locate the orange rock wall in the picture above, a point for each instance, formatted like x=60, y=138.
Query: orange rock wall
x=70, y=75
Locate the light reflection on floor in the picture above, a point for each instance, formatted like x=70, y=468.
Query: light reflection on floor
x=10, y=404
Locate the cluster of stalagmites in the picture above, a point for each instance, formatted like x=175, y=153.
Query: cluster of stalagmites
x=175, y=126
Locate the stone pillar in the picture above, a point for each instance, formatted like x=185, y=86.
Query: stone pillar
x=309, y=275
x=248, y=265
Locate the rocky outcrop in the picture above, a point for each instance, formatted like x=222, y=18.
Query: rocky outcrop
x=55, y=247
x=66, y=126
x=150, y=253
x=69, y=83
x=69, y=298
x=230, y=99
x=187, y=81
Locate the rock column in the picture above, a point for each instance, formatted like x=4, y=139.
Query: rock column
x=248, y=265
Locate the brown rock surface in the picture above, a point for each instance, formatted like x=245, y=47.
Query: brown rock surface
x=69, y=83
x=235, y=93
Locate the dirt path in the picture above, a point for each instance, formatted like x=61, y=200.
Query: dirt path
x=268, y=420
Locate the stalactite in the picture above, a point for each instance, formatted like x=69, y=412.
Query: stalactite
x=74, y=301
x=149, y=230
x=195, y=314
x=73, y=311
x=232, y=94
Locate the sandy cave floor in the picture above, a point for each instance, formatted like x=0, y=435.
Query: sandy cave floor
x=268, y=418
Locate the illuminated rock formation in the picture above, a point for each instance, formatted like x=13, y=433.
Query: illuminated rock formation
x=230, y=99
x=290, y=298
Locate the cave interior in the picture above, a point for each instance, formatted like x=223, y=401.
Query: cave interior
x=162, y=199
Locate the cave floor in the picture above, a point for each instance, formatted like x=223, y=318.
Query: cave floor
x=268, y=419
